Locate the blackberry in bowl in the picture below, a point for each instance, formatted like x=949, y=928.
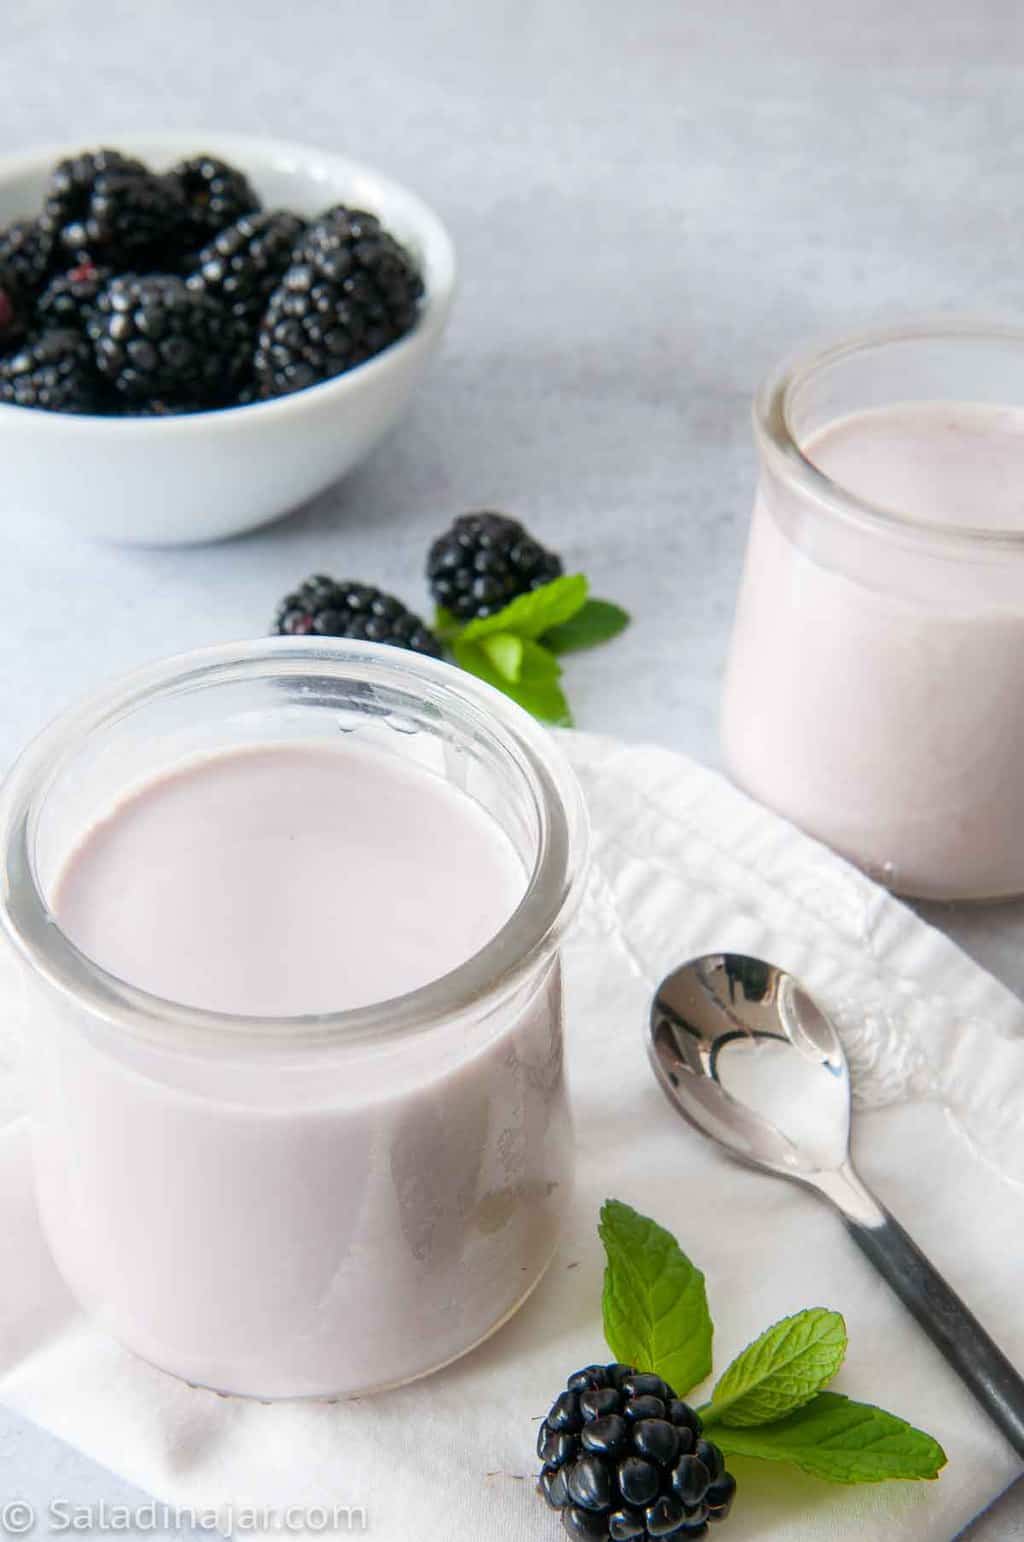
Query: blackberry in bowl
x=53, y=372
x=155, y=339
x=350, y=291
x=180, y=437
x=214, y=193
x=104, y=207
x=246, y=260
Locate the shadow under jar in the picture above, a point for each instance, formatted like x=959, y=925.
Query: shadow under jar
x=311, y=1205
x=875, y=687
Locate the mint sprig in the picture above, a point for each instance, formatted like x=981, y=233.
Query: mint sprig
x=769, y=1402
x=516, y=650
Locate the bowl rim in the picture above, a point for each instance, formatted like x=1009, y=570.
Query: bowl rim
x=437, y=252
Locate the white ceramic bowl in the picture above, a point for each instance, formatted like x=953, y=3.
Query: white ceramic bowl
x=212, y=474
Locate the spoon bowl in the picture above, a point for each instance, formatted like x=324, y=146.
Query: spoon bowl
x=746, y=1055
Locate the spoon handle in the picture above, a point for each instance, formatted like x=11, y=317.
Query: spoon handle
x=952, y=1328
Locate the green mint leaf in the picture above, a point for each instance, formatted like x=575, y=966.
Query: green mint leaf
x=505, y=652
x=519, y=659
x=538, y=664
x=781, y=1370
x=533, y=614
x=446, y=626
x=834, y=1438
x=538, y=692
x=596, y=621
x=655, y=1306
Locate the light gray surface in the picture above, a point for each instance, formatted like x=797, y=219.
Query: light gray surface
x=650, y=202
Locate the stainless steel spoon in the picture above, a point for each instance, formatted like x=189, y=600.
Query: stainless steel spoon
x=746, y=1056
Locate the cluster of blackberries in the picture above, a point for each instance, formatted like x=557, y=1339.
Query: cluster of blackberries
x=138, y=293
x=624, y=1460
x=474, y=569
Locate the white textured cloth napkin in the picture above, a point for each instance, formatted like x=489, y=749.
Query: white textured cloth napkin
x=684, y=865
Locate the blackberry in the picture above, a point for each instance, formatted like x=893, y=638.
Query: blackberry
x=54, y=372
x=104, y=206
x=70, y=299
x=13, y=312
x=155, y=338
x=26, y=251
x=624, y=1459
x=484, y=561
x=71, y=181
x=215, y=194
x=327, y=608
x=245, y=261
x=335, y=231
x=351, y=292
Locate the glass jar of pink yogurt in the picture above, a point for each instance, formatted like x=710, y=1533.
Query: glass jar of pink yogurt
x=288, y=915
x=875, y=687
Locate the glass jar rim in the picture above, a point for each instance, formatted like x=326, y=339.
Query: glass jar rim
x=781, y=449
x=495, y=970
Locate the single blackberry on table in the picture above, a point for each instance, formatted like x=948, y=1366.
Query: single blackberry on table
x=484, y=561
x=26, y=252
x=324, y=607
x=54, y=372
x=245, y=261
x=70, y=299
x=351, y=292
x=215, y=194
x=106, y=207
x=624, y=1460
x=154, y=338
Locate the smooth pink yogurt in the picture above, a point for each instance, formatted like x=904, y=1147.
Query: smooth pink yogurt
x=280, y=881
